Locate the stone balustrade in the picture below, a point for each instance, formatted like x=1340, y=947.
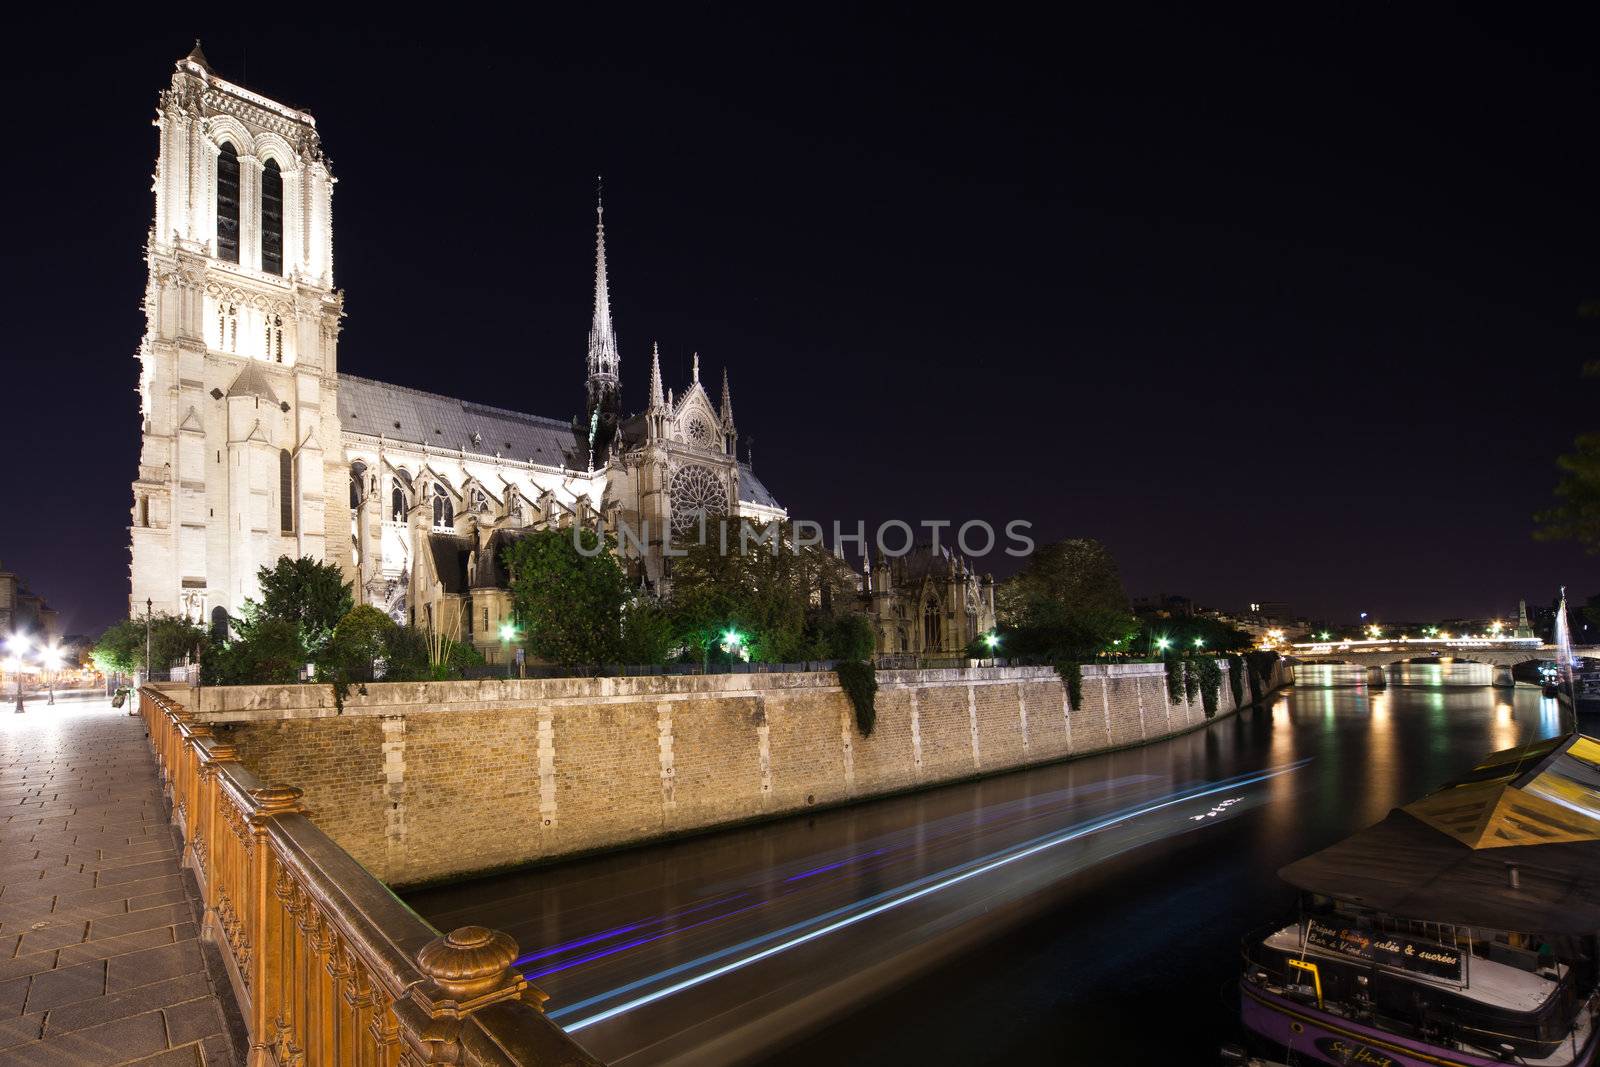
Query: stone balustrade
x=329, y=967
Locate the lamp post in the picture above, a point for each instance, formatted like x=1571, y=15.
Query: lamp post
x=18, y=645
x=508, y=634
x=50, y=661
x=149, y=606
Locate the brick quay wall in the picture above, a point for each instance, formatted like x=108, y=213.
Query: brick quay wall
x=432, y=781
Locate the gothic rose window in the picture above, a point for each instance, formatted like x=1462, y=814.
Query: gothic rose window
x=699, y=432
x=694, y=492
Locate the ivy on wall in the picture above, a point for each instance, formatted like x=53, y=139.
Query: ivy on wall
x=1209, y=677
x=1072, y=677
x=1191, y=681
x=1236, y=678
x=860, y=683
x=1174, y=680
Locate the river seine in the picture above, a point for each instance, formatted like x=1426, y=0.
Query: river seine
x=1083, y=913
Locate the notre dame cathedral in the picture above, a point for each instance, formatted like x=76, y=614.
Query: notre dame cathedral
x=255, y=446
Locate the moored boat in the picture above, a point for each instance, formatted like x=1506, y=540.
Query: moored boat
x=1461, y=931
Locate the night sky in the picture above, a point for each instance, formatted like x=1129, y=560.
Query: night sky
x=1280, y=310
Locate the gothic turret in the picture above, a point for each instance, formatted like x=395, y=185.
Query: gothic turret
x=656, y=409
x=729, y=434
x=602, y=402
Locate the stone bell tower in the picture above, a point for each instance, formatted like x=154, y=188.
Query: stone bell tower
x=240, y=459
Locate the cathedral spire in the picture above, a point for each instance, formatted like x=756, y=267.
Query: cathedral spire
x=198, y=57
x=597, y=426
x=603, y=359
x=694, y=368
x=657, y=400
x=727, y=400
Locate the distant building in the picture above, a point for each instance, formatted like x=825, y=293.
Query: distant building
x=22, y=611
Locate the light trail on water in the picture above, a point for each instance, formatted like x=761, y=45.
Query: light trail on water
x=834, y=920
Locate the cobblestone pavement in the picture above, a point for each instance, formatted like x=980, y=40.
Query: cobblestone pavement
x=100, y=961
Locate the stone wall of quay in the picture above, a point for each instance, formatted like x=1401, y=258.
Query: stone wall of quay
x=430, y=781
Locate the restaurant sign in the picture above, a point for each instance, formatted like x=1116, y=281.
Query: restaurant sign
x=1387, y=950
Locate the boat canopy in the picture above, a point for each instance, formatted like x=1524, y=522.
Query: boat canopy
x=1531, y=811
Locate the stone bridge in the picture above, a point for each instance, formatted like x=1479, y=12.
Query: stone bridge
x=1501, y=653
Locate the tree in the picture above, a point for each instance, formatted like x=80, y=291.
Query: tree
x=647, y=633
x=173, y=639
x=271, y=653
x=1067, y=603
x=1576, y=514
x=311, y=596
x=1192, y=633
x=777, y=595
x=568, y=603
x=363, y=636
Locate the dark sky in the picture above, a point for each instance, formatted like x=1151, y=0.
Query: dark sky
x=1282, y=307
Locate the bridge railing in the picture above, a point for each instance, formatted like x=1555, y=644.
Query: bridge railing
x=329, y=967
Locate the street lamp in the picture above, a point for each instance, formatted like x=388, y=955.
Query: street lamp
x=992, y=639
x=19, y=647
x=508, y=634
x=1163, y=643
x=1199, y=642
x=50, y=659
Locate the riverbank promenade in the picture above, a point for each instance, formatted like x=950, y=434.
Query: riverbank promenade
x=100, y=957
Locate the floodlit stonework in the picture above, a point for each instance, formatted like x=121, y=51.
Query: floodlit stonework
x=255, y=446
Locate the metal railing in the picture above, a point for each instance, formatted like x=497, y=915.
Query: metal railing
x=329, y=967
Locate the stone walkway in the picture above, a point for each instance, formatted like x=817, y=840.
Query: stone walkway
x=99, y=958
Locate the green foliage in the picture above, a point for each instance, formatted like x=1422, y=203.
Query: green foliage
x=1174, y=667
x=647, y=635
x=1576, y=514
x=1183, y=631
x=270, y=652
x=849, y=637
x=1071, y=675
x=311, y=596
x=1209, y=673
x=1236, y=671
x=172, y=640
x=860, y=683
x=120, y=649
x=783, y=605
x=405, y=655
x=1191, y=681
x=1067, y=604
x=568, y=604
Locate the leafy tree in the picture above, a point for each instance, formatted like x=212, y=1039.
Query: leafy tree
x=568, y=604
x=647, y=633
x=172, y=640
x=311, y=596
x=1067, y=604
x=849, y=636
x=270, y=653
x=1192, y=634
x=780, y=602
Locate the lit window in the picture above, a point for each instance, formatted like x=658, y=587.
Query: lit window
x=228, y=203
x=271, y=220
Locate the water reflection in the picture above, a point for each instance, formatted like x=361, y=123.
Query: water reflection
x=1072, y=978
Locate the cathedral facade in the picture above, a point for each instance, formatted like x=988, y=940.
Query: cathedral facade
x=254, y=446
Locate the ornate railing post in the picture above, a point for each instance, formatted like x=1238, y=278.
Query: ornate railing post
x=271, y=931
x=470, y=968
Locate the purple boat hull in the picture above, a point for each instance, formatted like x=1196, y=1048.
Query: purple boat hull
x=1327, y=1038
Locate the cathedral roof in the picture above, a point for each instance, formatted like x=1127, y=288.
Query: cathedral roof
x=251, y=382
x=752, y=490
x=444, y=422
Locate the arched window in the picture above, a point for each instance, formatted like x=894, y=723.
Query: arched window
x=444, y=513
x=219, y=624
x=358, y=477
x=285, y=491
x=271, y=218
x=480, y=501
x=931, y=640
x=228, y=203
x=397, y=503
